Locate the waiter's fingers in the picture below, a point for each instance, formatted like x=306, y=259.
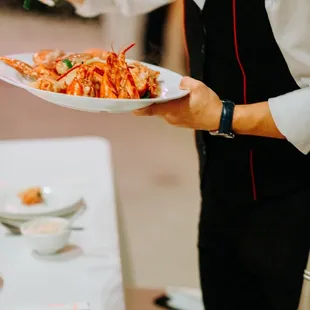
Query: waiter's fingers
x=144, y=111
x=161, y=109
x=154, y=109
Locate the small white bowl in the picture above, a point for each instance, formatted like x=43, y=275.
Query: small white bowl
x=46, y=235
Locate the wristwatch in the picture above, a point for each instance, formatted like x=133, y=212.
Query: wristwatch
x=225, y=129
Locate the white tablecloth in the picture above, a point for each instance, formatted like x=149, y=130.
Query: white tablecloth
x=91, y=270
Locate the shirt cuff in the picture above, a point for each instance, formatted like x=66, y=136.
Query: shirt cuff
x=92, y=8
x=291, y=114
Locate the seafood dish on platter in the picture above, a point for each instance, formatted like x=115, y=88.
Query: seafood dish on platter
x=93, y=81
x=89, y=74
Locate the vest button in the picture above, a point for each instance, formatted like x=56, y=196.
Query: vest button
x=203, y=49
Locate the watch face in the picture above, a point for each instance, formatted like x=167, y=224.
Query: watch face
x=221, y=134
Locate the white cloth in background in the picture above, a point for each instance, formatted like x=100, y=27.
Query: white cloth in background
x=91, y=8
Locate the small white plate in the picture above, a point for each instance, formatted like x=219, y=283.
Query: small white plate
x=169, y=80
x=57, y=202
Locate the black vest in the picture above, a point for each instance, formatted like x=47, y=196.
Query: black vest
x=220, y=45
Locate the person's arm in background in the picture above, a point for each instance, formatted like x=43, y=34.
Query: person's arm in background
x=92, y=8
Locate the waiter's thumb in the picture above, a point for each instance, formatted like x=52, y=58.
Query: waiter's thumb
x=188, y=83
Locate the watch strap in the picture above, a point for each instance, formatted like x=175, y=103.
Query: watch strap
x=226, y=117
x=225, y=127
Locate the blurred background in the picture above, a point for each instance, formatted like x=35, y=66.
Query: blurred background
x=155, y=164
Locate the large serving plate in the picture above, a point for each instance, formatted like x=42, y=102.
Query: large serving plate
x=169, y=81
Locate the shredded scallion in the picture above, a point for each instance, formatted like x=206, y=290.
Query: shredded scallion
x=68, y=63
x=146, y=95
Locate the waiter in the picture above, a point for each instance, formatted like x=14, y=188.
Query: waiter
x=249, y=103
x=252, y=144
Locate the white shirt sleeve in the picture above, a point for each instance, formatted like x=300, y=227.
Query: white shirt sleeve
x=92, y=8
x=291, y=114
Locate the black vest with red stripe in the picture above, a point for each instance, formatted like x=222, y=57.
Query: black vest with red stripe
x=232, y=49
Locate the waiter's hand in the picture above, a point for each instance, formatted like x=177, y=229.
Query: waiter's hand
x=200, y=110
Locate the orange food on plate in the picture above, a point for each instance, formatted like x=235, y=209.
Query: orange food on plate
x=31, y=196
x=94, y=73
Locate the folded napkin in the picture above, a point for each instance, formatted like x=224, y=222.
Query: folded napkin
x=73, y=306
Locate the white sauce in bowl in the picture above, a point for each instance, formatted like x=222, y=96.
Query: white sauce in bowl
x=48, y=227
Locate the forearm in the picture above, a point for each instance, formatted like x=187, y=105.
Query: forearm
x=255, y=120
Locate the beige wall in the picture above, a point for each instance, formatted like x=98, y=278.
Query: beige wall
x=156, y=164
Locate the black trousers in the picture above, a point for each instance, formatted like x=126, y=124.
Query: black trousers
x=253, y=256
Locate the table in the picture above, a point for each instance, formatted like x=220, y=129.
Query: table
x=90, y=270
